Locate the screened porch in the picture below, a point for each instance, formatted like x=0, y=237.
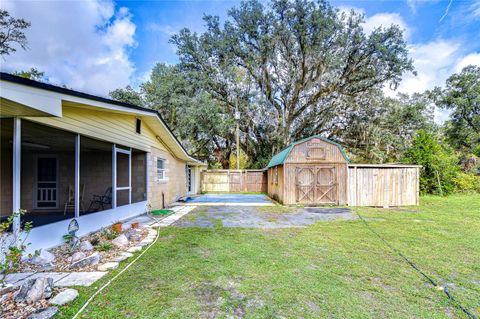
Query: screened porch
x=63, y=175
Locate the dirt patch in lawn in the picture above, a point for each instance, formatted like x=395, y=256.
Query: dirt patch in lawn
x=217, y=298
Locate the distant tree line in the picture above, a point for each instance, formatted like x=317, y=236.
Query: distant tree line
x=297, y=68
x=293, y=68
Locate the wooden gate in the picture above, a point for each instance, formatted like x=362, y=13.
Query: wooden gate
x=316, y=185
x=234, y=181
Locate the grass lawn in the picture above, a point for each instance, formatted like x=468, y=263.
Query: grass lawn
x=327, y=270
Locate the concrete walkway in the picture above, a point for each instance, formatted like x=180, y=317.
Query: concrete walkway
x=60, y=279
x=258, y=217
x=229, y=200
x=87, y=278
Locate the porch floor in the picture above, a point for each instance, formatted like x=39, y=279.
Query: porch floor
x=44, y=218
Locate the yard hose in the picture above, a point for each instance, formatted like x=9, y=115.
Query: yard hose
x=121, y=272
x=414, y=266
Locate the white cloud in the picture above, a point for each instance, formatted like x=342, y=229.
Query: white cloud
x=81, y=44
x=412, y=4
x=470, y=59
x=386, y=19
x=165, y=29
x=433, y=62
x=475, y=9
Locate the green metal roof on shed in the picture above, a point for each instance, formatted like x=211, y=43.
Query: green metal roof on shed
x=280, y=157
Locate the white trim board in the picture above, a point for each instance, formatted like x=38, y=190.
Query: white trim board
x=50, y=235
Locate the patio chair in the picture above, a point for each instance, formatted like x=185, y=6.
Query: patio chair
x=70, y=203
x=100, y=201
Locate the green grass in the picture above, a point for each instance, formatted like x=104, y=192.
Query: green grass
x=276, y=209
x=328, y=270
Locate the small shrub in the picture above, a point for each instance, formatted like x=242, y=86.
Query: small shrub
x=439, y=163
x=67, y=238
x=12, y=245
x=467, y=182
x=104, y=246
x=109, y=234
x=95, y=240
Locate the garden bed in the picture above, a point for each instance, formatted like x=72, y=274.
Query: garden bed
x=101, y=242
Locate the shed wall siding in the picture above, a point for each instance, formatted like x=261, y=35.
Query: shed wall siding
x=309, y=152
x=276, y=189
x=314, y=153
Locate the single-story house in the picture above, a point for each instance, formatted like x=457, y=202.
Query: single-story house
x=67, y=154
x=316, y=171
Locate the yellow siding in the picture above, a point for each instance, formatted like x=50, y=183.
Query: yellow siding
x=108, y=126
x=118, y=128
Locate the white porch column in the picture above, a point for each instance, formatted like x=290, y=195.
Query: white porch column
x=114, y=176
x=77, y=176
x=147, y=169
x=16, y=173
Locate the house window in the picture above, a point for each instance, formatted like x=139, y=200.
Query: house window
x=276, y=175
x=161, y=169
x=138, y=127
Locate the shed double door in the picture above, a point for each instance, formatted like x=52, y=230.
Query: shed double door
x=316, y=185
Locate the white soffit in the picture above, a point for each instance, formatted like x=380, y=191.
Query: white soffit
x=34, y=98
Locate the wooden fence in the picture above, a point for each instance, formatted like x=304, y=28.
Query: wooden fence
x=367, y=184
x=383, y=185
x=233, y=181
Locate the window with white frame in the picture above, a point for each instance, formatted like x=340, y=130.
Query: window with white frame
x=161, y=169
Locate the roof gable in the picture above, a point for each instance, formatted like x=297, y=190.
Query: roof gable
x=63, y=95
x=280, y=157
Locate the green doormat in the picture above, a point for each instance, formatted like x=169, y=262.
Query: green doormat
x=158, y=212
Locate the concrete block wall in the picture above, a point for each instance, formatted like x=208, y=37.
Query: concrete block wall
x=138, y=177
x=175, y=184
x=95, y=173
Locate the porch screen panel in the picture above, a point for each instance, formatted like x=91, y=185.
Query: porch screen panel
x=47, y=173
x=6, y=156
x=123, y=182
x=139, y=177
x=95, y=175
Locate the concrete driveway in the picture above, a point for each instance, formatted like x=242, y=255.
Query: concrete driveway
x=261, y=217
x=230, y=200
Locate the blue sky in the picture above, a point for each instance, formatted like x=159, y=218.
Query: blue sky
x=156, y=21
x=96, y=46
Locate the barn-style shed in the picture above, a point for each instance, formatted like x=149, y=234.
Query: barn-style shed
x=310, y=171
x=316, y=171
